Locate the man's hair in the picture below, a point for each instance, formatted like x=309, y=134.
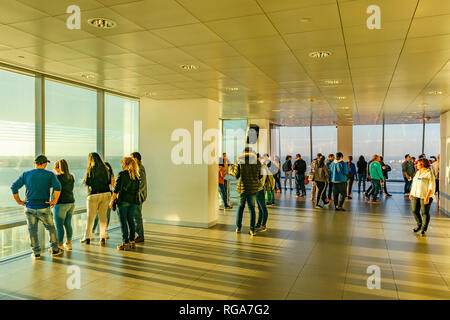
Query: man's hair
x=257, y=155
x=137, y=156
x=248, y=149
x=406, y=155
x=339, y=155
x=319, y=155
x=298, y=155
x=330, y=155
x=425, y=162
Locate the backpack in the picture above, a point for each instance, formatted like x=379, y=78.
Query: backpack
x=388, y=168
x=286, y=166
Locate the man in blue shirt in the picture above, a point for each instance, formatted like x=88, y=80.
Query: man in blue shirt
x=38, y=183
x=338, y=178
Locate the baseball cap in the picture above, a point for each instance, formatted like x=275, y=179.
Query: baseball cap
x=41, y=159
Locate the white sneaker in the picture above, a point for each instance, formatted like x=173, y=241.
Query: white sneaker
x=68, y=246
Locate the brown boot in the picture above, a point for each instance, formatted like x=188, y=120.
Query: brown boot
x=139, y=240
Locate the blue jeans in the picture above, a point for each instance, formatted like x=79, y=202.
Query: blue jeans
x=361, y=180
x=263, y=213
x=250, y=199
x=139, y=222
x=376, y=187
x=63, y=220
x=126, y=216
x=408, y=184
x=33, y=217
x=108, y=216
x=223, y=194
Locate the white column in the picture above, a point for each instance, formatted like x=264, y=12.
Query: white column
x=180, y=194
x=345, y=140
x=444, y=183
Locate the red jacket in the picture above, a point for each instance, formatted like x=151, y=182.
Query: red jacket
x=221, y=175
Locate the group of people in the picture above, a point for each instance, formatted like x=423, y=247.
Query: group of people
x=126, y=194
x=332, y=177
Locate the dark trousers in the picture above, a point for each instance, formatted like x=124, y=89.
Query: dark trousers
x=300, y=184
x=223, y=194
x=408, y=184
x=126, y=216
x=321, y=188
x=375, y=189
x=350, y=185
x=139, y=222
x=361, y=180
x=330, y=190
x=277, y=181
x=385, y=187
x=422, y=219
x=339, y=188
x=263, y=213
x=250, y=199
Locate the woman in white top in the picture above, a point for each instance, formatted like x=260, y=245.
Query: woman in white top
x=422, y=195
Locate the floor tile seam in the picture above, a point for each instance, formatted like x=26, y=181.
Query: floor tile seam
x=303, y=266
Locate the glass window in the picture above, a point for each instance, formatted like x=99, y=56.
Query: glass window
x=70, y=130
x=399, y=140
x=295, y=140
x=121, y=129
x=324, y=139
x=233, y=138
x=16, y=138
x=432, y=139
x=367, y=141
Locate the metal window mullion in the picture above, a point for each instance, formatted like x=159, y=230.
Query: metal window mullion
x=382, y=138
x=39, y=111
x=101, y=122
x=423, y=136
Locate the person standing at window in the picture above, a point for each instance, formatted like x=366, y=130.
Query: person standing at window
x=126, y=191
x=330, y=185
x=362, y=173
x=38, y=183
x=422, y=195
x=436, y=165
x=313, y=183
x=352, y=175
x=108, y=212
x=338, y=177
x=136, y=156
x=408, y=173
x=376, y=177
x=222, y=191
x=386, y=168
x=98, y=180
x=270, y=182
x=321, y=177
x=65, y=206
x=248, y=172
x=299, y=168
x=287, y=169
x=263, y=213
x=277, y=176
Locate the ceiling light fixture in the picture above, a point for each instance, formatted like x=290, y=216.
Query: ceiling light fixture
x=188, y=67
x=102, y=23
x=88, y=76
x=341, y=97
x=434, y=93
x=332, y=82
x=21, y=57
x=319, y=54
x=305, y=20
x=231, y=89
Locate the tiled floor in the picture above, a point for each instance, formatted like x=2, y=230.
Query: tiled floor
x=305, y=254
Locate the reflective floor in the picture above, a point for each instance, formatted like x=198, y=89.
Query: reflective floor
x=305, y=254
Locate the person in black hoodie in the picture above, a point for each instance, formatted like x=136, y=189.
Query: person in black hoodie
x=126, y=191
x=362, y=173
x=299, y=168
x=287, y=169
x=98, y=180
x=386, y=168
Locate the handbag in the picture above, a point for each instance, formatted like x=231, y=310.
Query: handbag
x=306, y=180
x=114, y=206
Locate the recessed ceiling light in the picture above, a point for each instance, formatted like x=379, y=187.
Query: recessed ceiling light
x=88, y=76
x=286, y=100
x=260, y=101
x=305, y=19
x=341, y=97
x=434, y=93
x=102, y=23
x=319, y=54
x=21, y=57
x=149, y=94
x=188, y=67
x=231, y=89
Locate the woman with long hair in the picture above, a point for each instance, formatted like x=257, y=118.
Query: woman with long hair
x=108, y=213
x=321, y=178
x=362, y=173
x=98, y=180
x=126, y=191
x=63, y=210
x=422, y=195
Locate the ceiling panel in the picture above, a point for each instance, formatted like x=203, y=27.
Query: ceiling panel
x=59, y=7
x=219, y=9
x=138, y=41
x=12, y=11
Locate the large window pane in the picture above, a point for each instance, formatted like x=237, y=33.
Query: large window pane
x=295, y=140
x=367, y=141
x=432, y=139
x=233, y=138
x=121, y=129
x=399, y=140
x=324, y=139
x=70, y=130
x=16, y=138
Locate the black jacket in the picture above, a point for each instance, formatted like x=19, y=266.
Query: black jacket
x=66, y=189
x=127, y=188
x=300, y=167
x=99, y=180
x=362, y=167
